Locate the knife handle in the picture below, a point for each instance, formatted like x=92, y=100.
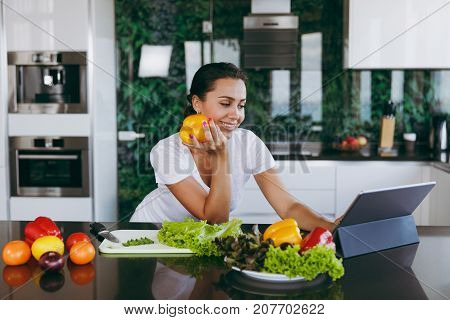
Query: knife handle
x=97, y=227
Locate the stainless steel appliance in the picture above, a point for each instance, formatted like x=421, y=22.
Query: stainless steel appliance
x=49, y=166
x=47, y=82
x=270, y=41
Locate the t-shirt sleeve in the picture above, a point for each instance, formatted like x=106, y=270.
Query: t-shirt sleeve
x=263, y=159
x=170, y=163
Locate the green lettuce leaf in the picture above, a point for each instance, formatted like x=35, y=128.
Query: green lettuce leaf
x=309, y=265
x=197, y=235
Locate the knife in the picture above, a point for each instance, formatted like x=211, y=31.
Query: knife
x=99, y=229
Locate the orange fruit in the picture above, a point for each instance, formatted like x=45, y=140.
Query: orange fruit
x=82, y=252
x=16, y=252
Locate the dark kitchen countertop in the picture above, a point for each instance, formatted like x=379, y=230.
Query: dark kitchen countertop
x=319, y=151
x=384, y=275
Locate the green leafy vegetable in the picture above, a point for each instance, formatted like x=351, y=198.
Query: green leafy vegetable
x=138, y=242
x=311, y=263
x=197, y=236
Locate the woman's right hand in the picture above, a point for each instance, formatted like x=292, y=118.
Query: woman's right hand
x=215, y=142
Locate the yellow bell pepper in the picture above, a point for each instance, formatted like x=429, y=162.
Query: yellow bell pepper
x=284, y=231
x=193, y=124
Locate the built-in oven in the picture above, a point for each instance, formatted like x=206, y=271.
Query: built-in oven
x=47, y=82
x=49, y=166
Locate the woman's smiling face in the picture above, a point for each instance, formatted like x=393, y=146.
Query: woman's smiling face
x=225, y=104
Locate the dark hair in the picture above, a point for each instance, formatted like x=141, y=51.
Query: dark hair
x=206, y=76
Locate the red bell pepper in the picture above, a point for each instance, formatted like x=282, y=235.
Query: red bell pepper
x=318, y=236
x=41, y=226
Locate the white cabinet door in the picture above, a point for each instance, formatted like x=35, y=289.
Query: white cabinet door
x=63, y=125
x=3, y=194
x=46, y=25
x=353, y=179
x=398, y=34
x=321, y=201
x=440, y=199
x=304, y=175
x=312, y=183
x=58, y=209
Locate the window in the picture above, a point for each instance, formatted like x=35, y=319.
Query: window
x=311, y=75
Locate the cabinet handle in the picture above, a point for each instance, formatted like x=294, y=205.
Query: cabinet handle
x=47, y=157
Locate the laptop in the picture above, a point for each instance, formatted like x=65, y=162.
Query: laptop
x=380, y=219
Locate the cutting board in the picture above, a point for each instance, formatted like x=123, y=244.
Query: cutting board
x=109, y=247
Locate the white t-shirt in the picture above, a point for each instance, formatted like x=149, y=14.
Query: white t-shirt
x=173, y=162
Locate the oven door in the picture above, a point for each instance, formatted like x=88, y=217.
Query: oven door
x=50, y=173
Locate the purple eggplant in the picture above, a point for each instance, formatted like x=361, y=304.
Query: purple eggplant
x=51, y=261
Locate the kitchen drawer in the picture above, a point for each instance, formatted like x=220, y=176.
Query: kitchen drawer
x=58, y=209
x=439, y=199
x=64, y=125
x=321, y=201
x=302, y=175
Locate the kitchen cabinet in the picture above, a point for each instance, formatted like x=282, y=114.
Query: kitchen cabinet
x=63, y=125
x=352, y=178
x=58, y=209
x=329, y=187
x=254, y=201
x=60, y=25
x=399, y=34
x=440, y=198
x=3, y=194
x=65, y=25
x=3, y=93
x=102, y=102
x=313, y=183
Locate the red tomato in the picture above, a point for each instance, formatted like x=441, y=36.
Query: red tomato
x=16, y=276
x=82, y=252
x=16, y=253
x=74, y=238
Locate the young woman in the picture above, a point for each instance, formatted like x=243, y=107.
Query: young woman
x=206, y=180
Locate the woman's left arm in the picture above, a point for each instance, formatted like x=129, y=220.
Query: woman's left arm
x=286, y=205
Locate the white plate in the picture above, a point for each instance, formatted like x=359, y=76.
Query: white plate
x=270, y=277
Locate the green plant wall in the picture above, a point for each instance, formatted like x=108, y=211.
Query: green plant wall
x=154, y=106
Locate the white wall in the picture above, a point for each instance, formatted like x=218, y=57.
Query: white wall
x=398, y=34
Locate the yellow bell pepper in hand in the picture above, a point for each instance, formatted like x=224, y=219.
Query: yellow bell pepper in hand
x=284, y=231
x=193, y=125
